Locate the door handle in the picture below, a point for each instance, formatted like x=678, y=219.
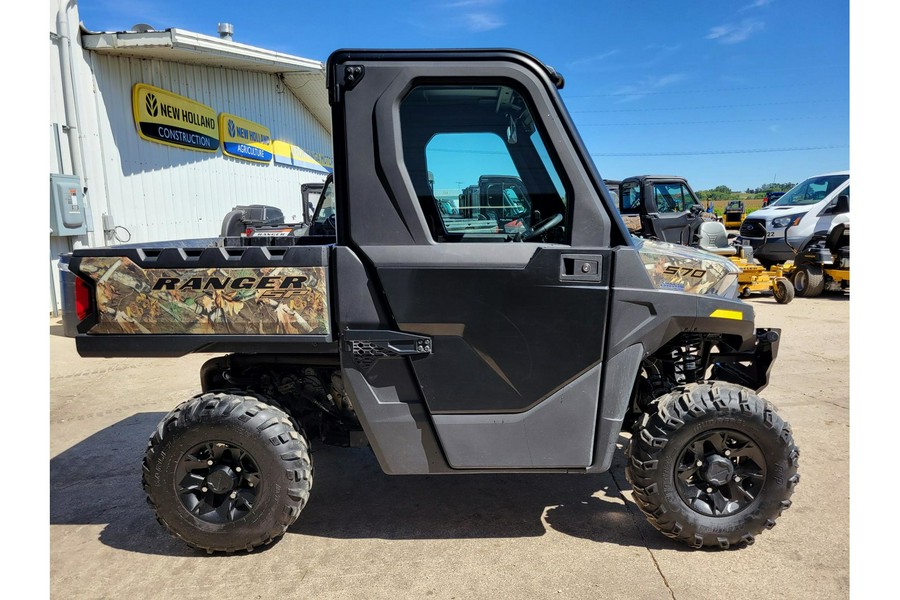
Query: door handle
x=580, y=267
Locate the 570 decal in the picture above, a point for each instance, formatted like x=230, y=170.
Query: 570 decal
x=685, y=272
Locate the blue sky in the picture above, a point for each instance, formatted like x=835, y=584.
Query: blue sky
x=727, y=92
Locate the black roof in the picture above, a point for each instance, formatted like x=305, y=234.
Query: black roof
x=643, y=178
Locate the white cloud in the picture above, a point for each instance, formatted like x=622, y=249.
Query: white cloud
x=733, y=33
x=475, y=15
x=592, y=60
x=756, y=4
x=655, y=54
x=472, y=3
x=630, y=93
x=483, y=21
x=665, y=80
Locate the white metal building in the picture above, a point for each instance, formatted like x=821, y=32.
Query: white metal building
x=142, y=189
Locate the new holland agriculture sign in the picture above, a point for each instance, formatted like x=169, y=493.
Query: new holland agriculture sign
x=245, y=139
x=167, y=118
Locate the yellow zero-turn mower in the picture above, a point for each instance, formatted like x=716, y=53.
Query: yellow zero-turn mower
x=823, y=261
x=753, y=276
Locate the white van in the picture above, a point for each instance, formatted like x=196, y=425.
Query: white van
x=809, y=207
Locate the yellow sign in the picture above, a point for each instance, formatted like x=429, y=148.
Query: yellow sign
x=295, y=156
x=245, y=139
x=302, y=159
x=282, y=153
x=325, y=161
x=167, y=118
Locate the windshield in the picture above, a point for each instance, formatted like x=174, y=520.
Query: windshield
x=811, y=191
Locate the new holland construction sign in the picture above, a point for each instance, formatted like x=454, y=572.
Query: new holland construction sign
x=167, y=118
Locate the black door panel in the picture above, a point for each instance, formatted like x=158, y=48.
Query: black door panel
x=503, y=339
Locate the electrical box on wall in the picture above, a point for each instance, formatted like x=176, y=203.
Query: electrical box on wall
x=68, y=214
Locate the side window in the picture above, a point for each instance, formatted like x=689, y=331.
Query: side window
x=669, y=197
x=672, y=197
x=480, y=167
x=688, y=199
x=630, y=199
x=831, y=209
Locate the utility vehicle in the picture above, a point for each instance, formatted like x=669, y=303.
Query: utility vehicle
x=447, y=351
x=495, y=202
x=662, y=207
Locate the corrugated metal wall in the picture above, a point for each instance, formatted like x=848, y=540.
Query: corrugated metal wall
x=159, y=192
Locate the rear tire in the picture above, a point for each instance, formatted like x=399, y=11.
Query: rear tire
x=783, y=290
x=747, y=471
x=225, y=472
x=809, y=281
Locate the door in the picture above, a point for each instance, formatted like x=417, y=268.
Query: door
x=673, y=221
x=505, y=310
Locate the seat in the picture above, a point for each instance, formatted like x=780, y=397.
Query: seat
x=835, y=240
x=714, y=238
x=233, y=224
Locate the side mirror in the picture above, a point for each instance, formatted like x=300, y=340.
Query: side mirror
x=843, y=205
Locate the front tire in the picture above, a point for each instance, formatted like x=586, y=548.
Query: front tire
x=713, y=466
x=783, y=290
x=225, y=472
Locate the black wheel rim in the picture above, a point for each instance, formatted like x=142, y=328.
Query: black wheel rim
x=217, y=482
x=720, y=472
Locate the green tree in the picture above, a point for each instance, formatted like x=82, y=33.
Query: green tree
x=774, y=187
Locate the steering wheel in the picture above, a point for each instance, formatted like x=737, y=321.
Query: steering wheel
x=330, y=224
x=543, y=227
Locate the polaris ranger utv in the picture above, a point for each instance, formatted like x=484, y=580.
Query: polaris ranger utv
x=446, y=350
x=662, y=207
